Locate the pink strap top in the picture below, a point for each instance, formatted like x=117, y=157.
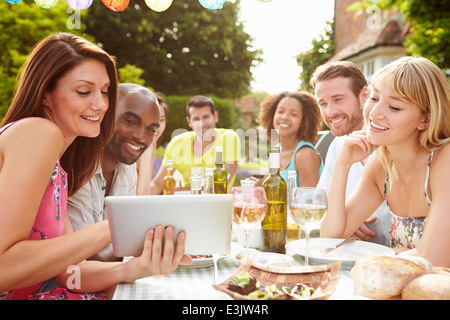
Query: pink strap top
x=49, y=222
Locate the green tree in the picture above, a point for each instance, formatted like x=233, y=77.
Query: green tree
x=321, y=51
x=22, y=25
x=131, y=74
x=184, y=50
x=428, y=20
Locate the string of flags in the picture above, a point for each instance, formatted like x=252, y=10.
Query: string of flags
x=121, y=5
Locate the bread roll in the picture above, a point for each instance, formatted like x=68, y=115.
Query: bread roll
x=383, y=277
x=428, y=287
x=441, y=270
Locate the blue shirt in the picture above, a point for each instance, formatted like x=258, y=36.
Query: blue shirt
x=291, y=165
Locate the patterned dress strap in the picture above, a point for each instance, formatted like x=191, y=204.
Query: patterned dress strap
x=427, y=178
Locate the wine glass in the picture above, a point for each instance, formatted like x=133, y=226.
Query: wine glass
x=250, y=204
x=308, y=207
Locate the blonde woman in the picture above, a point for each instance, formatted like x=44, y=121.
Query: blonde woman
x=408, y=124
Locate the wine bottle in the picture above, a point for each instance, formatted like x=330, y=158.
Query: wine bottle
x=220, y=173
x=274, y=225
x=169, y=179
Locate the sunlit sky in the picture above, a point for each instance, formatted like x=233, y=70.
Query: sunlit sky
x=283, y=29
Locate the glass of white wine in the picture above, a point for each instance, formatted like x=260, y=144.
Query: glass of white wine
x=250, y=205
x=308, y=207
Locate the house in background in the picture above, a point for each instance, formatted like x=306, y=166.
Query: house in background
x=369, y=40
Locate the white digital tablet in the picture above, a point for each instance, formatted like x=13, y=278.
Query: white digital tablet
x=206, y=219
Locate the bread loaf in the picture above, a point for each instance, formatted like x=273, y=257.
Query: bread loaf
x=428, y=287
x=384, y=277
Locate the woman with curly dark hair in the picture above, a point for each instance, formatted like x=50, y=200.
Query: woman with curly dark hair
x=294, y=118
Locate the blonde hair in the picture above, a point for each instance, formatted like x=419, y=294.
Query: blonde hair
x=421, y=82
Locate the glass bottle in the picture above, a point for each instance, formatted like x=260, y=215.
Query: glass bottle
x=274, y=225
x=293, y=230
x=169, y=179
x=220, y=173
x=209, y=181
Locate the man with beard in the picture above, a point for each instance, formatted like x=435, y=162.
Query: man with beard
x=137, y=120
x=341, y=92
x=197, y=148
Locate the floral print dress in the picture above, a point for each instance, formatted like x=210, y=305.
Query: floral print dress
x=407, y=231
x=49, y=223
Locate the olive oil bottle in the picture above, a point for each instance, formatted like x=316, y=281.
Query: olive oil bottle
x=220, y=173
x=274, y=225
x=169, y=179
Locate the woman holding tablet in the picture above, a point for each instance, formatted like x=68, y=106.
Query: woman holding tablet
x=51, y=139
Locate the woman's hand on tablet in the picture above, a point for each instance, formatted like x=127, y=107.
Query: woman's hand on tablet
x=159, y=257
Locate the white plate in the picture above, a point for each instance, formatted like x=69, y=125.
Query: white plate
x=265, y=258
x=348, y=253
x=235, y=248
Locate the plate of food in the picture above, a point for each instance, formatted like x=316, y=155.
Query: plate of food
x=348, y=253
x=203, y=261
x=263, y=282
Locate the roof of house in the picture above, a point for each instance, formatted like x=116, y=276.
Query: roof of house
x=389, y=34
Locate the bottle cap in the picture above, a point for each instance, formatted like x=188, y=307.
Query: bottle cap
x=219, y=149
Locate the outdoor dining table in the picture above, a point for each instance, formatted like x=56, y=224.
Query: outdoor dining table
x=188, y=283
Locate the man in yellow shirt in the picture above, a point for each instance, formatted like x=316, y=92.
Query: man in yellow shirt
x=197, y=148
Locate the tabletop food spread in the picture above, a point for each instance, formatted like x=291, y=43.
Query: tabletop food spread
x=359, y=270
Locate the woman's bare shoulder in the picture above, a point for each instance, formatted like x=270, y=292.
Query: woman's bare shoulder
x=32, y=134
x=33, y=128
x=441, y=159
x=307, y=152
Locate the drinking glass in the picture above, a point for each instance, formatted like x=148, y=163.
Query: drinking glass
x=250, y=205
x=209, y=181
x=198, y=172
x=308, y=207
x=196, y=185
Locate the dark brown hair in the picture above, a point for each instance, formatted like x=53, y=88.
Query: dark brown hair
x=311, y=117
x=198, y=102
x=164, y=106
x=50, y=60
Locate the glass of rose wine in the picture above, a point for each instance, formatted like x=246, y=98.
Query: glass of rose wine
x=308, y=207
x=250, y=204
